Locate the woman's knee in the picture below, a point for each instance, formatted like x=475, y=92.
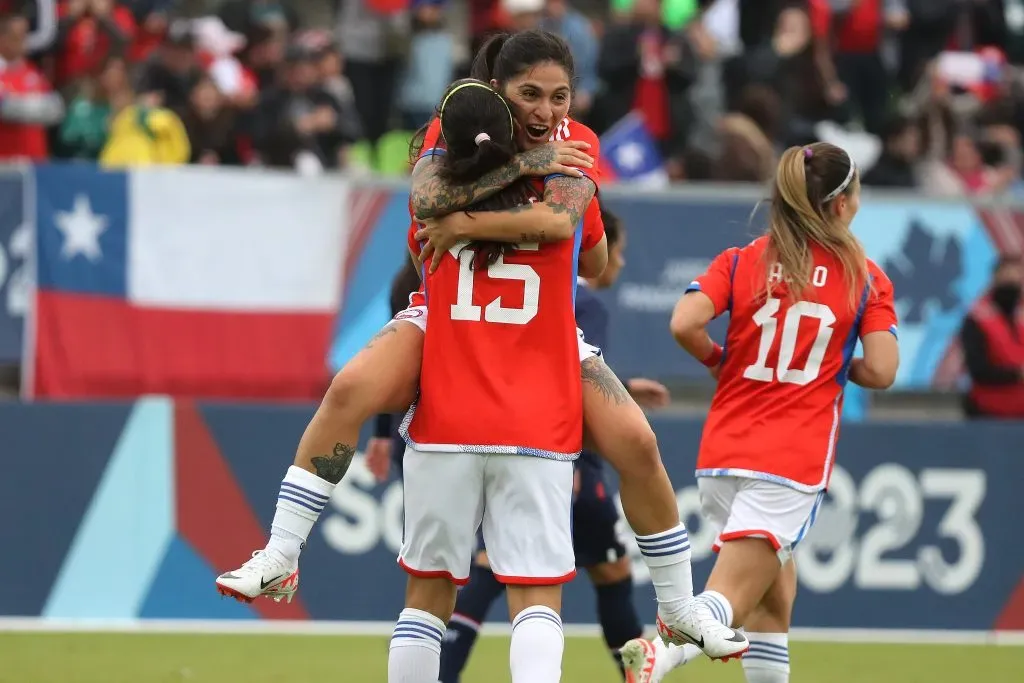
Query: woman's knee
x=383, y=377
x=628, y=443
x=348, y=391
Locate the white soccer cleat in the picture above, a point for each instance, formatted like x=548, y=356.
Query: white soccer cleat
x=266, y=573
x=639, y=659
x=696, y=625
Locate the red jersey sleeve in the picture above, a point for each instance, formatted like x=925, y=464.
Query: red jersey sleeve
x=593, y=226
x=716, y=283
x=418, y=298
x=410, y=237
x=880, y=309
x=574, y=130
x=430, y=139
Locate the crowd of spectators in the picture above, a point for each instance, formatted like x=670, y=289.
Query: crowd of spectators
x=927, y=91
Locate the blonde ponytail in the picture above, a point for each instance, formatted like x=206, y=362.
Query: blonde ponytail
x=807, y=181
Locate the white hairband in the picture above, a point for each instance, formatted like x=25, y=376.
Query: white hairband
x=480, y=138
x=843, y=185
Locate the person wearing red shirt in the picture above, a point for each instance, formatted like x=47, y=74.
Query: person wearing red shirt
x=533, y=70
x=798, y=299
x=89, y=31
x=27, y=103
x=499, y=417
x=992, y=339
x=854, y=38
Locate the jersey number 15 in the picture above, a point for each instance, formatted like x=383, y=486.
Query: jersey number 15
x=494, y=312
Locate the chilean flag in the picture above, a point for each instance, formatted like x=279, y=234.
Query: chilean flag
x=185, y=282
x=630, y=155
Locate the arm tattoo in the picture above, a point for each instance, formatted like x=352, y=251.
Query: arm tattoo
x=387, y=329
x=432, y=196
x=595, y=372
x=332, y=469
x=569, y=195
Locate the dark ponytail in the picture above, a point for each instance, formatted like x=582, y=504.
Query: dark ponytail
x=479, y=134
x=482, y=68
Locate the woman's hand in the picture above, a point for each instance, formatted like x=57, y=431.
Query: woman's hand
x=648, y=393
x=440, y=234
x=562, y=158
x=378, y=458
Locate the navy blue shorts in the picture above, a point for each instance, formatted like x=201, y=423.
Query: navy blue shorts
x=397, y=452
x=594, y=516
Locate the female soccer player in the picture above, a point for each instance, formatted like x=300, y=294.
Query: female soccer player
x=798, y=300
x=498, y=420
x=594, y=516
x=534, y=70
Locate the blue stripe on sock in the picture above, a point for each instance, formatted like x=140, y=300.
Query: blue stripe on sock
x=430, y=642
x=665, y=544
x=415, y=635
x=434, y=630
x=716, y=607
x=539, y=615
x=646, y=541
x=415, y=631
x=301, y=496
x=298, y=501
x=664, y=553
x=302, y=489
x=749, y=654
x=768, y=647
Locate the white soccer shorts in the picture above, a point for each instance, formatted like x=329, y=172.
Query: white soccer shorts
x=740, y=507
x=523, y=503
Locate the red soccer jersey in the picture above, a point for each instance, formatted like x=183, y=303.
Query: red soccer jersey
x=775, y=413
x=22, y=140
x=501, y=369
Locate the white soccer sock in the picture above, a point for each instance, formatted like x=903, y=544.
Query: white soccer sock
x=720, y=606
x=667, y=556
x=537, y=644
x=415, y=652
x=671, y=657
x=303, y=496
x=767, y=660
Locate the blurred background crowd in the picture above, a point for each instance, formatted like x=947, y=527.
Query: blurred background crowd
x=928, y=93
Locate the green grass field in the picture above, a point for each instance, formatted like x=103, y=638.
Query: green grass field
x=153, y=658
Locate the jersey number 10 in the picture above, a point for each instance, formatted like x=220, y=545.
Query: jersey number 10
x=766, y=319
x=494, y=312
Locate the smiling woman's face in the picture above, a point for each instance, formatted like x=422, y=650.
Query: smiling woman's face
x=541, y=96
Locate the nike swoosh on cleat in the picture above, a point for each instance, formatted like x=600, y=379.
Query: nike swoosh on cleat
x=264, y=584
x=698, y=643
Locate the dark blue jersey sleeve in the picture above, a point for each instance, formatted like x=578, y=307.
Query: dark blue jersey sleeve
x=592, y=318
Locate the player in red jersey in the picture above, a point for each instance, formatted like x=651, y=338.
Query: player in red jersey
x=498, y=420
x=534, y=71
x=798, y=300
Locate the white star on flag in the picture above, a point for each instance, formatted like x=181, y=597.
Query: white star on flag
x=630, y=156
x=81, y=229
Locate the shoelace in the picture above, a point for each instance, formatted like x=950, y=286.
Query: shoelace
x=261, y=561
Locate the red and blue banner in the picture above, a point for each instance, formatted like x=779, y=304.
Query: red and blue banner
x=220, y=284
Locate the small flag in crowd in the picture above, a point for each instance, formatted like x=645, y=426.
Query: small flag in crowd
x=630, y=155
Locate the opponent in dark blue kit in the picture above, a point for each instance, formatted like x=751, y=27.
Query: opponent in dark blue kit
x=597, y=545
x=387, y=447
